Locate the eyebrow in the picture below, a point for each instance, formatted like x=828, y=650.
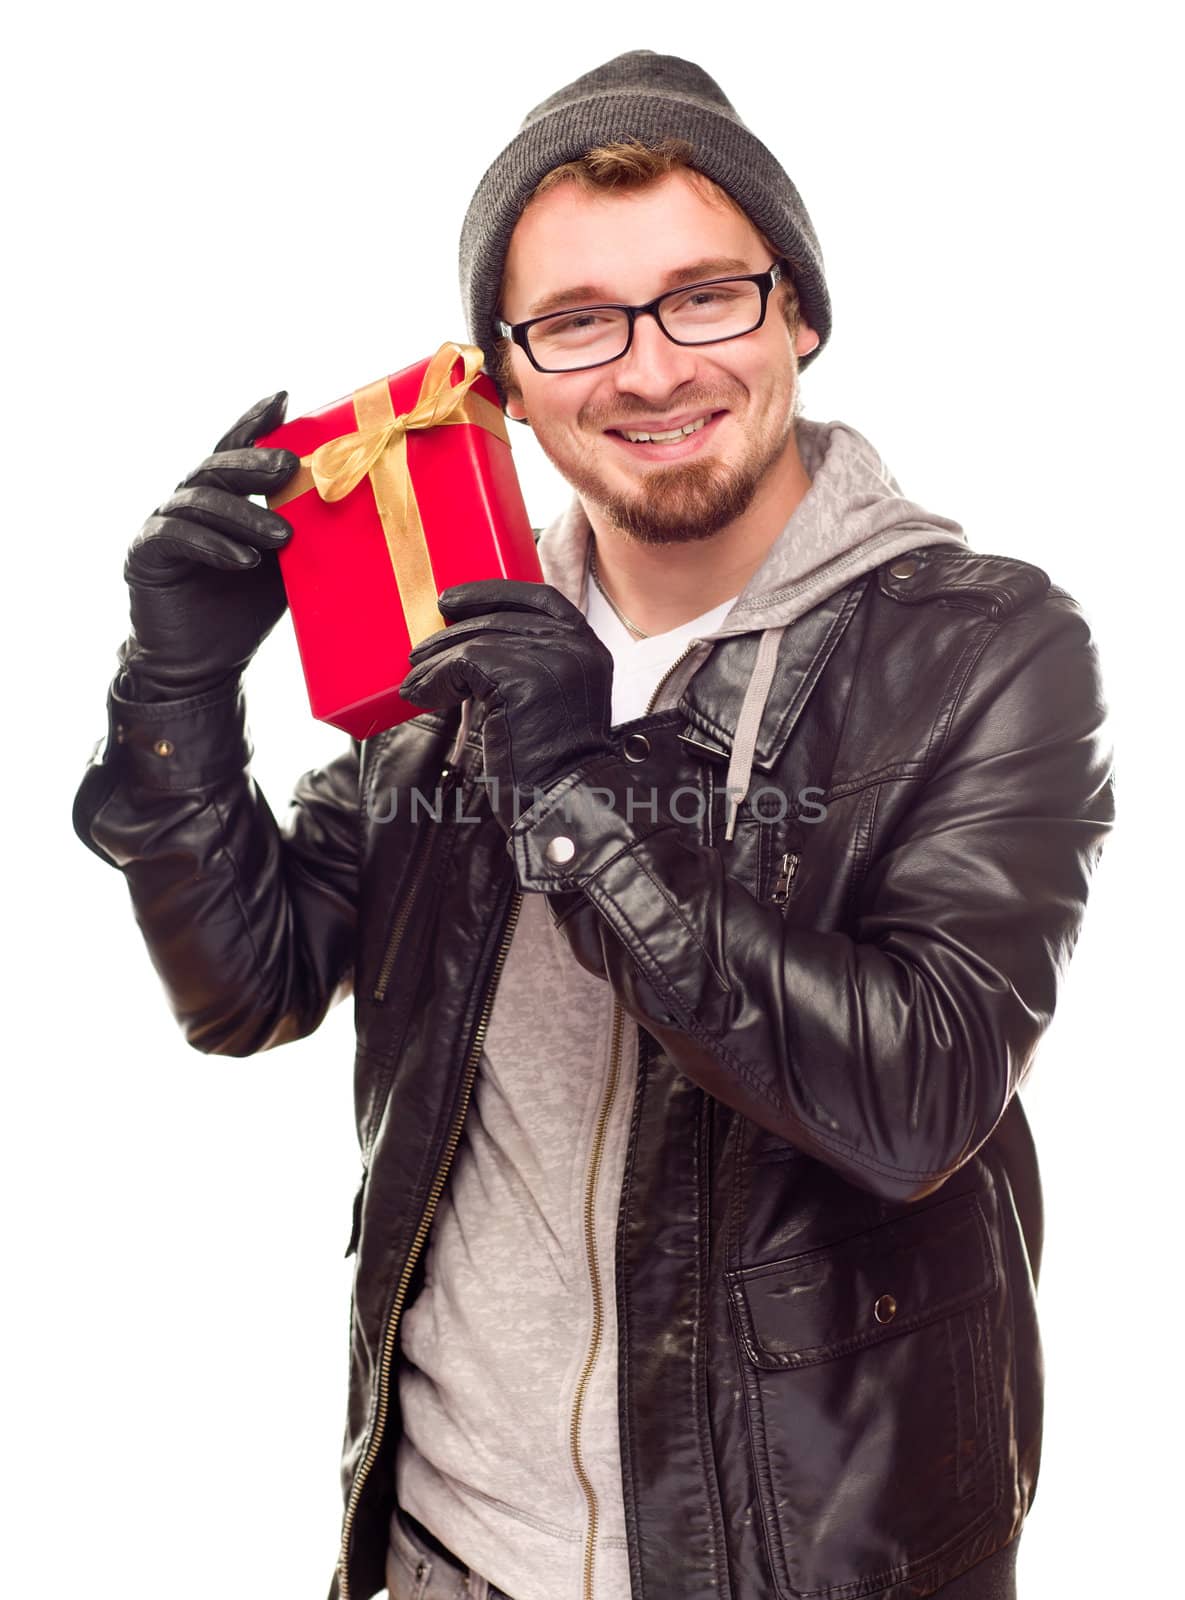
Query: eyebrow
x=588, y=294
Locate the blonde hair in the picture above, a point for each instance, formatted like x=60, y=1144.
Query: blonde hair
x=628, y=164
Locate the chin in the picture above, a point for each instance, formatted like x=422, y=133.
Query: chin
x=679, y=504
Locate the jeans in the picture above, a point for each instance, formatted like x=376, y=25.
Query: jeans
x=420, y=1568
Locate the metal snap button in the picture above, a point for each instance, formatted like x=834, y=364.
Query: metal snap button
x=635, y=747
x=121, y=733
x=163, y=747
x=905, y=567
x=559, y=850
x=885, y=1308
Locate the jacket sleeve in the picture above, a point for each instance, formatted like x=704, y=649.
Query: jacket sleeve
x=889, y=1053
x=249, y=924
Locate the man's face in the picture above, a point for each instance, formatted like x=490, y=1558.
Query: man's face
x=572, y=248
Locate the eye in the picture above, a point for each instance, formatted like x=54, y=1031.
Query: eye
x=577, y=322
x=583, y=328
x=716, y=294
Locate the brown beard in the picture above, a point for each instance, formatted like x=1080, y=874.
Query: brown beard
x=681, y=504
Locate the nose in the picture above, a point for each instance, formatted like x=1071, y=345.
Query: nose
x=653, y=365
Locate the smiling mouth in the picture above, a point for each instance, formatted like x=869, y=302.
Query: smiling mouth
x=638, y=436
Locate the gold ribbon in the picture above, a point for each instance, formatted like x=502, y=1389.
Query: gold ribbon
x=378, y=449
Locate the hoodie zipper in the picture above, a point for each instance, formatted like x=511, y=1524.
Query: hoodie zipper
x=678, y=661
x=594, y=1275
x=434, y=1193
x=590, y=1248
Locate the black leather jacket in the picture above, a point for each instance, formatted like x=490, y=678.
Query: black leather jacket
x=830, y=1223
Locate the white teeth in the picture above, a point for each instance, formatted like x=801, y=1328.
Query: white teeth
x=661, y=438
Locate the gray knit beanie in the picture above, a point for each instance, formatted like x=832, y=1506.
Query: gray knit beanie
x=648, y=97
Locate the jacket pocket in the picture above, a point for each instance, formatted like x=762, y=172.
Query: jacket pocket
x=867, y=1374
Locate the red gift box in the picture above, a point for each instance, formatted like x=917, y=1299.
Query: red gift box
x=405, y=488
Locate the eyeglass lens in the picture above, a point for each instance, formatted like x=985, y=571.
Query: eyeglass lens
x=584, y=337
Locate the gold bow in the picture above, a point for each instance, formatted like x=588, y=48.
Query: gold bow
x=378, y=449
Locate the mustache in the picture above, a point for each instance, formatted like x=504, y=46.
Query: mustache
x=629, y=406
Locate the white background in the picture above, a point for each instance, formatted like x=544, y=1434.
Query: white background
x=205, y=204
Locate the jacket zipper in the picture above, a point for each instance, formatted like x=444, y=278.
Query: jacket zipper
x=422, y=855
x=785, y=878
x=594, y=1345
x=434, y=1193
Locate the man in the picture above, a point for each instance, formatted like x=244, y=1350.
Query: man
x=700, y=1222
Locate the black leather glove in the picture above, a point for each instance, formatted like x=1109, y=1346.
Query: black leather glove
x=544, y=677
x=202, y=572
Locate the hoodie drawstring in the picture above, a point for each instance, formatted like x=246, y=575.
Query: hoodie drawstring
x=744, y=743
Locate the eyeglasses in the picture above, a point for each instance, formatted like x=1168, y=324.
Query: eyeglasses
x=698, y=313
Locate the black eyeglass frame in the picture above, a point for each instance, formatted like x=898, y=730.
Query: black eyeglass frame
x=765, y=281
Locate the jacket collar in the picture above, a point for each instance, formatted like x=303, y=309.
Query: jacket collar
x=712, y=699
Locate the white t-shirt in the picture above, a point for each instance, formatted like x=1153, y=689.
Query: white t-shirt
x=640, y=664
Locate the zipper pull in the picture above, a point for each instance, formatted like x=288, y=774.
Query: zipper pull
x=781, y=889
x=454, y=755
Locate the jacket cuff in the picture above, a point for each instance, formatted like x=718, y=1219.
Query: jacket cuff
x=583, y=823
x=177, y=744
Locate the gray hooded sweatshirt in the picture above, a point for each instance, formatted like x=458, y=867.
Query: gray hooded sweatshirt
x=510, y=1453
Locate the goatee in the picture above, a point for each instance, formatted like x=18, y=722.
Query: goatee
x=683, y=504
x=679, y=505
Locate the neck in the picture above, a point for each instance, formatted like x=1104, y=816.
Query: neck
x=662, y=586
